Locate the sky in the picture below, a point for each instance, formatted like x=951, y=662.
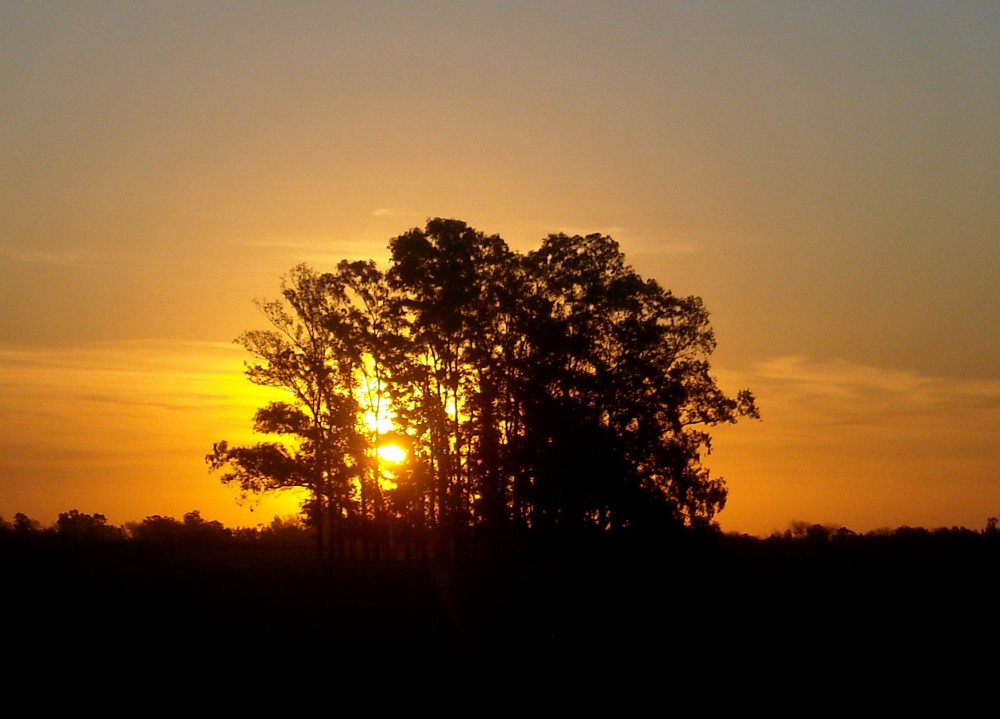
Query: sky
x=823, y=175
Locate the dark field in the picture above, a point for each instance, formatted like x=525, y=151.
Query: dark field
x=932, y=596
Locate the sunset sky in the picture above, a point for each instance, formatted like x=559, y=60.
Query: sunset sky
x=825, y=175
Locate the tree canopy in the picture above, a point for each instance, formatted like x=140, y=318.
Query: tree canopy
x=553, y=392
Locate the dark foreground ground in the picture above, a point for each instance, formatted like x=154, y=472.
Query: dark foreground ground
x=736, y=628
x=736, y=600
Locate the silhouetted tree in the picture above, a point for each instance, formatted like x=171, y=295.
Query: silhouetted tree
x=156, y=528
x=77, y=525
x=192, y=529
x=366, y=318
x=556, y=390
x=455, y=285
x=204, y=531
x=307, y=356
x=25, y=525
x=624, y=364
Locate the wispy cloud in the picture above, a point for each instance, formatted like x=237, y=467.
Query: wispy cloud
x=392, y=212
x=143, y=390
x=615, y=232
x=322, y=253
x=666, y=249
x=634, y=244
x=860, y=446
x=872, y=396
x=122, y=427
x=40, y=257
x=103, y=258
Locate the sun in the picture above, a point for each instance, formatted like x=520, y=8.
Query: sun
x=392, y=453
x=387, y=451
x=379, y=419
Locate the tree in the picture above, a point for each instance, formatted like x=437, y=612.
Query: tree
x=24, y=525
x=157, y=529
x=552, y=391
x=452, y=282
x=78, y=525
x=309, y=357
x=624, y=363
x=368, y=320
x=193, y=530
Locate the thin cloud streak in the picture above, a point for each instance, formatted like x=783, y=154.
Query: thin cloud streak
x=618, y=233
x=85, y=424
x=868, y=396
x=866, y=444
x=393, y=212
x=122, y=396
x=40, y=257
x=322, y=252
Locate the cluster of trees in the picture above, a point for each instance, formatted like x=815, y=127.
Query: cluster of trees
x=191, y=529
x=553, y=391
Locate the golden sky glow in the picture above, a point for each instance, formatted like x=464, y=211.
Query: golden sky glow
x=823, y=175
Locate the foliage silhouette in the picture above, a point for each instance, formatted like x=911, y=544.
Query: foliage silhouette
x=92, y=527
x=553, y=393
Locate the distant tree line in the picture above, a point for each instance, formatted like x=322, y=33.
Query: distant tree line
x=191, y=529
x=801, y=538
x=553, y=393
